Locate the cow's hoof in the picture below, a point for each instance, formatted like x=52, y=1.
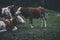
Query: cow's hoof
x=14, y=29
x=32, y=26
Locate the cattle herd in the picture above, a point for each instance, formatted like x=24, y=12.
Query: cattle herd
x=10, y=16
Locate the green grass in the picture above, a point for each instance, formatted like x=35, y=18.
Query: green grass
x=24, y=32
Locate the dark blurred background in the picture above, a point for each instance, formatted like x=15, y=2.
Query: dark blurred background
x=49, y=4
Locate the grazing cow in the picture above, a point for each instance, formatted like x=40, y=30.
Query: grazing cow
x=31, y=12
x=7, y=24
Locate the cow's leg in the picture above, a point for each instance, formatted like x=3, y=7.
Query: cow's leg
x=43, y=21
x=30, y=22
x=44, y=18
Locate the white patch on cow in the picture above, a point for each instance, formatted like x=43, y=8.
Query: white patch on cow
x=43, y=22
x=11, y=19
x=3, y=30
x=14, y=29
x=31, y=26
x=18, y=10
x=20, y=19
x=2, y=26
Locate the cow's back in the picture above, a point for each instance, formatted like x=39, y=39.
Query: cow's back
x=32, y=12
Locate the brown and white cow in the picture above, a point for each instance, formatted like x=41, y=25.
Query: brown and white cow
x=31, y=12
x=10, y=24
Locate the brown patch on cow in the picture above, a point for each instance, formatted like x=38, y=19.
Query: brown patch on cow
x=7, y=21
x=33, y=12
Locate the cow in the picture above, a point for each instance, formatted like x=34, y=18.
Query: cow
x=7, y=12
x=10, y=25
x=33, y=12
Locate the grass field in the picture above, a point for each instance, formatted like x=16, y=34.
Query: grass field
x=51, y=32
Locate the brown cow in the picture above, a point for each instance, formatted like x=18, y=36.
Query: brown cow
x=31, y=12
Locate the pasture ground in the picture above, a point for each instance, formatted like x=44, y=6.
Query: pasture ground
x=51, y=32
